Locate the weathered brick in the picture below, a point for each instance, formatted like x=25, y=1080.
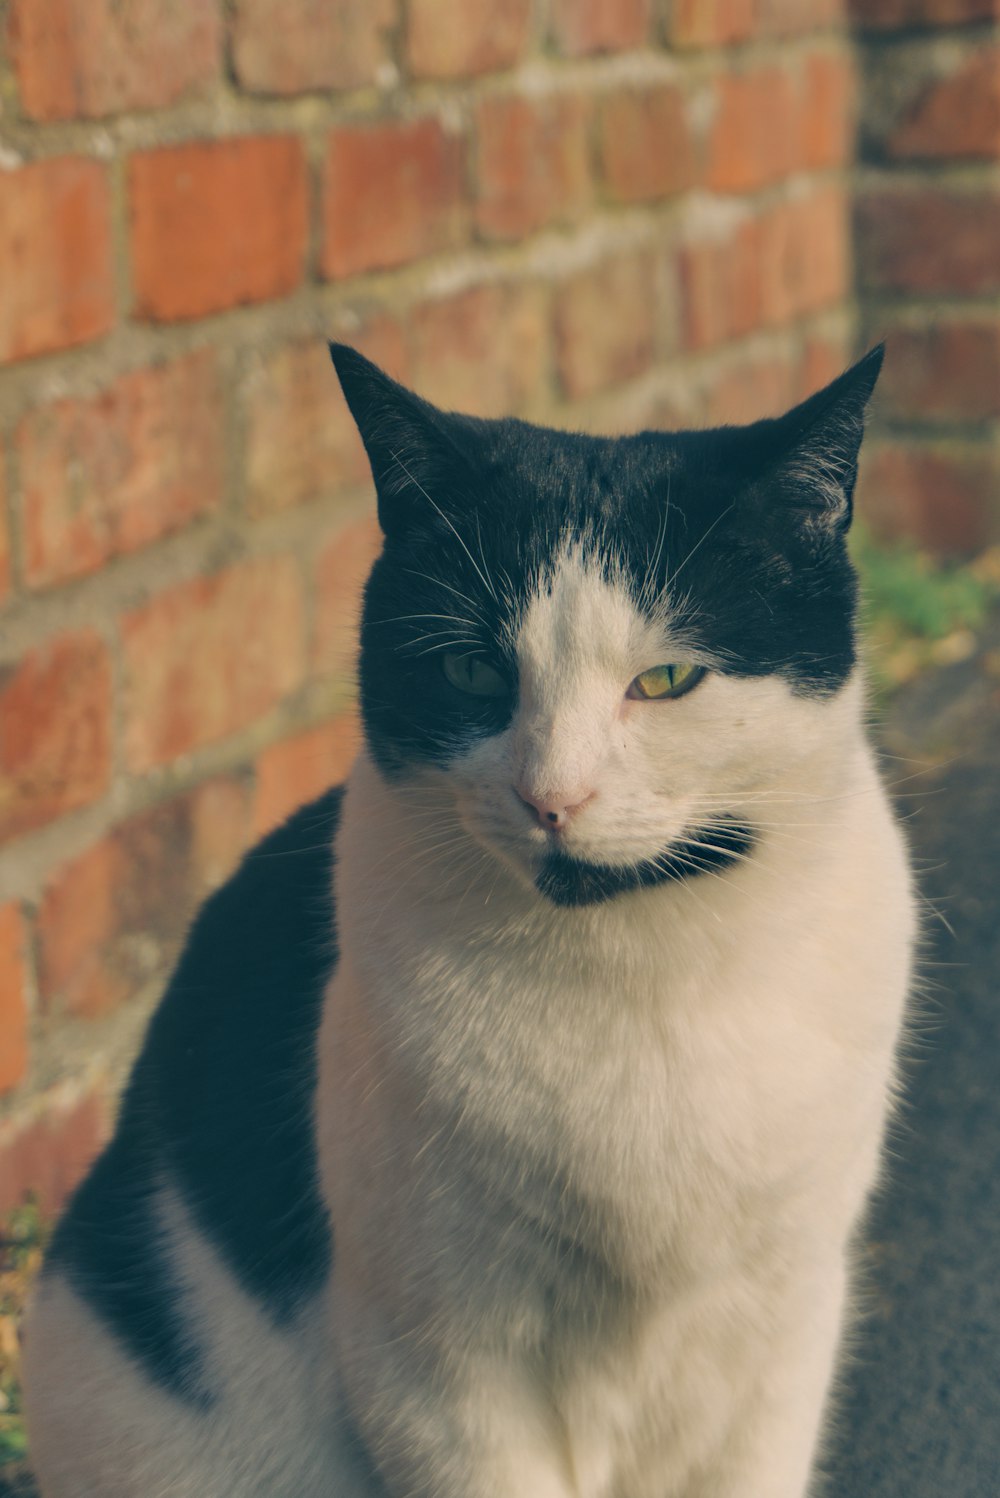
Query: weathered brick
x=112, y=920
x=297, y=770
x=957, y=115
x=532, y=162
x=107, y=475
x=301, y=438
x=892, y=15
x=216, y=224
x=929, y=239
x=485, y=350
x=949, y=371
x=57, y=287
x=13, y=997
x=44, y=1156
x=945, y=499
x=393, y=192
x=748, y=388
x=826, y=115
x=87, y=58
x=646, y=145
x=55, y=731
x=444, y=40
x=603, y=323
x=754, y=137
x=712, y=23
x=5, y=572
x=582, y=26
x=824, y=357
x=720, y=23
x=208, y=657
x=764, y=270
x=342, y=568
x=293, y=46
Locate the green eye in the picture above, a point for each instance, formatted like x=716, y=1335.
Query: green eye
x=473, y=675
x=666, y=681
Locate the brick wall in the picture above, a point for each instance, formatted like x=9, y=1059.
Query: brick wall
x=595, y=213
x=927, y=228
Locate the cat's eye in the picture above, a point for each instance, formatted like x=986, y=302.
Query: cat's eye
x=475, y=676
x=666, y=681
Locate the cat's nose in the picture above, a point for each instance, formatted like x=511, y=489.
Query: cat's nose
x=554, y=811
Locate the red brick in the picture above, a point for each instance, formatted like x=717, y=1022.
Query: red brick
x=57, y=288
x=13, y=997
x=44, y=1156
x=532, y=162
x=301, y=440
x=646, y=146
x=342, y=569
x=719, y=23
x=805, y=255
x=460, y=41
x=393, y=192
x=943, y=499
x=712, y=23
x=55, y=731
x=603, y=324
x=754, y=138
x=749, y=389
x=890, y=15
x=216, y=224
x=208, y=657
x=111, y=921
x=5, y=578
x=947, y=372
x=823, y=359
x=87, y=58
x=826, y=117
x=927, y=239
x=107, y=475
x=485, y=350
x=294, y=46
x=297, y=770
x=765, y=270
x=582, y=26
x=954, y=116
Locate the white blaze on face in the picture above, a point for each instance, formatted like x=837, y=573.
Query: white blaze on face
x=577, y=650
x=643, y=774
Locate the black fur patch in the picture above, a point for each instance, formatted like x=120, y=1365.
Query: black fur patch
x=220, y=1107
x=743, y=528
x=571, y=881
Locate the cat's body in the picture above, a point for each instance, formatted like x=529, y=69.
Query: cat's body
x=605, y=1055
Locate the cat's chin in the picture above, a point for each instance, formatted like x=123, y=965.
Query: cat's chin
x=570, y=881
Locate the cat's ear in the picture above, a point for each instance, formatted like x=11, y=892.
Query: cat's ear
x=415, y=460
x=811, y=453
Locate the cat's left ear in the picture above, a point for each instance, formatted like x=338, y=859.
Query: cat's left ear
x=811, y=453
x=412, y=447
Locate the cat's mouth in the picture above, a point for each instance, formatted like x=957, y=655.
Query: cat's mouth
x=570, y=881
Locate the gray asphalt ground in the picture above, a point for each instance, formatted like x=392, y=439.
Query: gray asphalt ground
x=919, y=1412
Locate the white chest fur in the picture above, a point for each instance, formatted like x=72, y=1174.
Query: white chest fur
x=606, y=1148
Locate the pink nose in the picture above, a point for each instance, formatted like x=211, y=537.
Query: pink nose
x=555, y=810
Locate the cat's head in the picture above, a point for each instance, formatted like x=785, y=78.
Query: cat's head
x=603, y=649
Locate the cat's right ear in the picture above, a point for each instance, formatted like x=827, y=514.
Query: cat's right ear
x=414, y=459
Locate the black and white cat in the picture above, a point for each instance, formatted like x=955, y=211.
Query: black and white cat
x=535, y=1173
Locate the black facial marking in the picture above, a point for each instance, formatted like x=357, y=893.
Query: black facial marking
x=571, y=881
x=220, y=1108
x=743, y=528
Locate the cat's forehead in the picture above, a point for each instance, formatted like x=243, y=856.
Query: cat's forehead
x=587, y=610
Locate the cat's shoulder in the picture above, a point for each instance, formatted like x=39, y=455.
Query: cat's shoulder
x=218, y=1114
